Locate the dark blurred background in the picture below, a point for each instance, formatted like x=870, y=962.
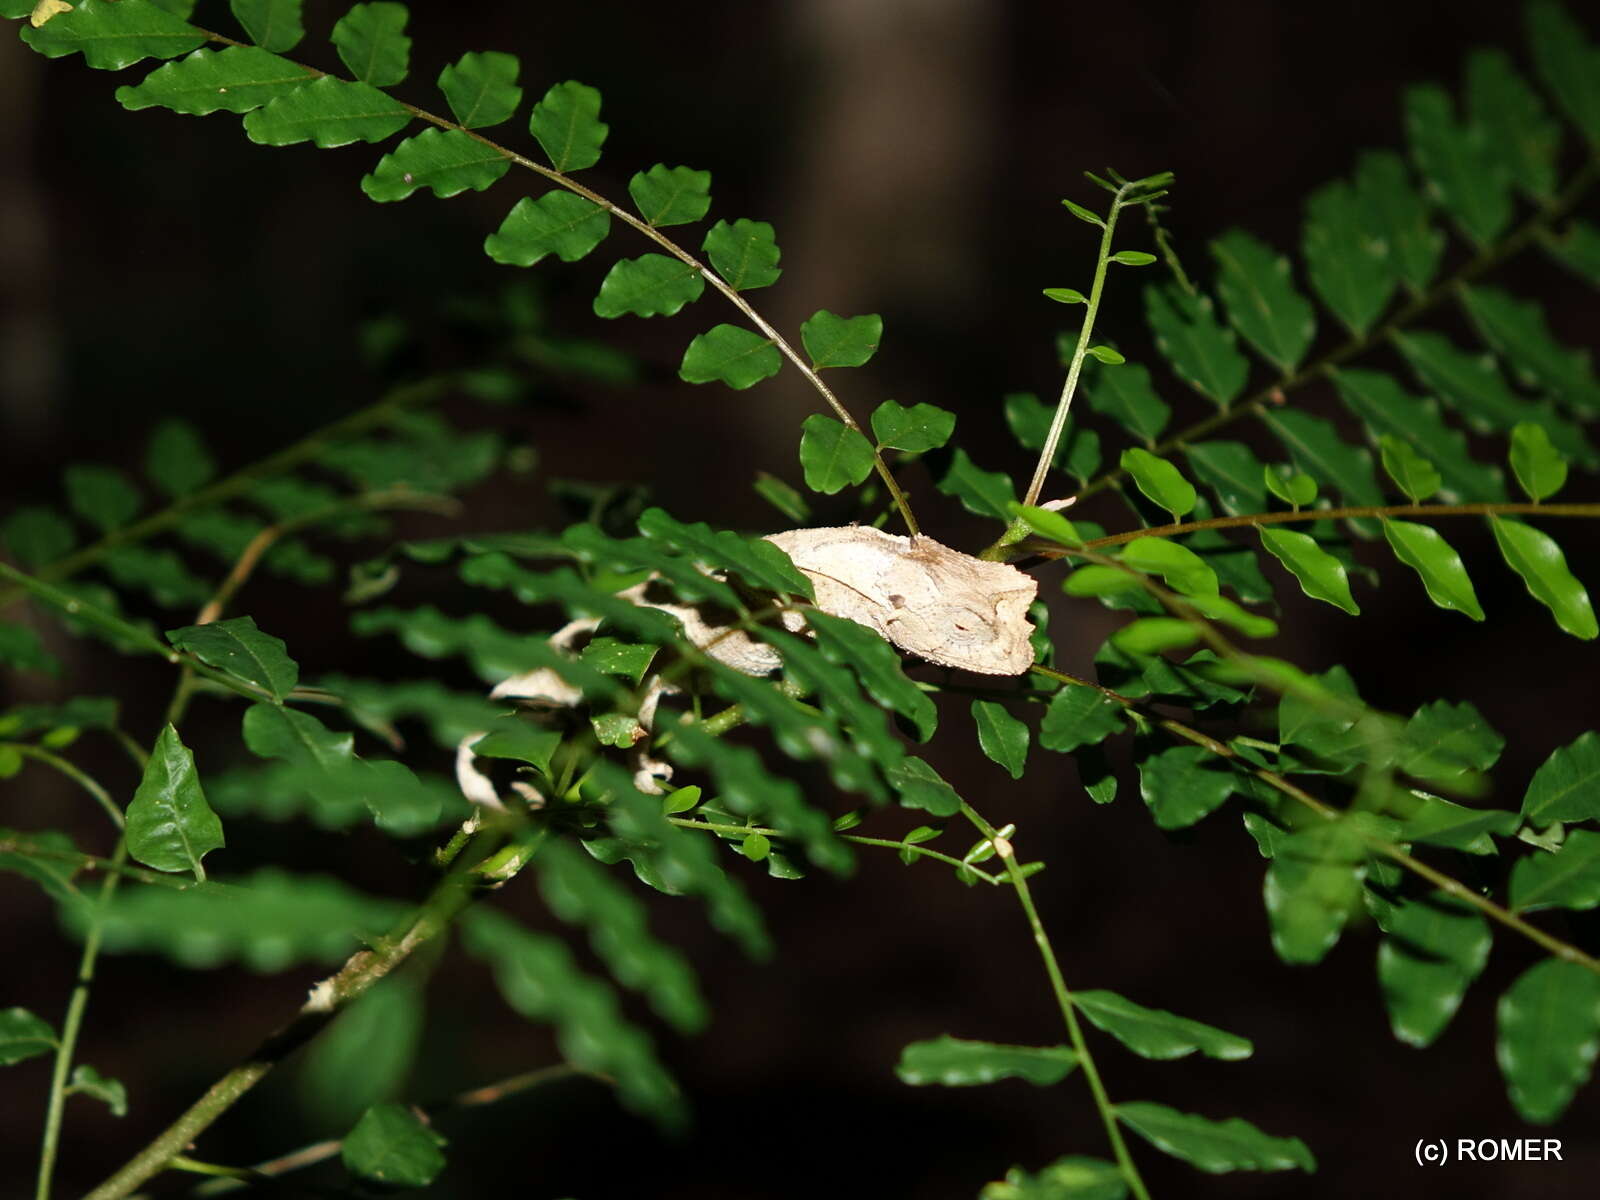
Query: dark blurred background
x=912, y=155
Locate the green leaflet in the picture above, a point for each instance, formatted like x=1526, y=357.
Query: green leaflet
x=1549, y=1033
x=271, y=24
x=1538, y=466
x=1521, y=135
x=1155, y=1033
x=783, y=497
x=371, y=41
x=89, y=1082
x=1458, y=163
x=691, y=584
x=1072, y=1177
x=833, y=456
x=1422, y=549
x=579, y=892
x=671, y=195
x=1438, y=822
x=236, y=79
x=1534, y=556
x=1262, y=302
x=1396, y=211
x=745, y=253
x=1436, y=946
x=1569, y=878
x=1079, y=716
x=1182, y=785
x=1213, y=1146
x=495, y=653
x=1444, y=743
x=1181, y=568
x=955, y=1062
x=23, y=1036
x=567, y=125
x=21, y=649
x=1200, y=349
x=982, y=493
x=919, y=786
x=1160, y=481
x=1126, y=395
x=1317, y=449
x=841, y=341
x=328, y=112
x=1386, y=409
x=1412, y=473
x=878, y=667
x=1002, y=737
x=648, y=286
x=446, y=161
x=170, y=825
x=272, y=731
x=114, y=35
x=1320, y=574
x=159, y=573
x=177, y=460
x=1220, y=608
x=757, y=561
x=515, y=739
x=730, y=354
x=1348, y=265
x=48, y=858
x=367, y=1055
x=102, y=496
x=1294, y=488
x=1233, y=472
x=1312, y=886
x=1567, y=786
x=37, y=535
x=243, y=651
x=481, y=88
x=1078, y=451
x=558, y=222
x=392, y=1147
x=915, y=430
x=1566, y=62
x=1578, y=250
x=1518, y=332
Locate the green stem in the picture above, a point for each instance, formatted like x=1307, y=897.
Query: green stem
x=73, y=1024
x=1058, y=985
x=77, y=775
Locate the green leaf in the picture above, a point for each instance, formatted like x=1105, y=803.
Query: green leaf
x=757, y=561
x=481, y=88
x=1321, y=575
x=1346, y=261
x=177, y=461
x=89, y=1082
x=328, y=112
x=1396, y=212
x=170, y=825
x=1443, y=743
x=558, y=222
x=833, y=456
x=1535, y=556
x=955, y=1062
x=878, y=667
x=648, y=286
x=21, y=649
x=1263, y=305
x=243, y=651
x=567, y=125
x=1084, y=214
x=1183, y=570
x=1385, y=408
x=1048, y=524
x=1458, y=163
x=1106, y=355
x=23, y=1036
x=367, y=1055
x=1424, y=550
x=37, y=535
x=730, y=354
x=1066, y=295
x=1213, y=1146
x=622, y=659
x=1312, y=886
x=1438, y=822
x=1569, y=878
x=916, y=430
x=919, y=786
x=1128, y=398
x=114, y=35
x=1200, y=349
x=1072, y=1177
x=1160, y=481
x=1578, y=250
x=272, y=731
x=1549, y=1033
x=1155, y=1033
x=391, y=1146
x=1294, y=488
x=786, y=499
x=671, y=195
x=1436, y=946
x=1078, y=450
x=1079, y=716
x=1537, y=464
x=235, y=79
x=1003, y=738
x=1519, y=333
x=1567, y=786
x=745, y=253
x=1183, y=785
x=1521, y=135
x=445, y=160
x=101, y=495
x=1317, y=449
x=841, y=341
x=1233, y=472
x=1155, y=635
x=371, y=41
x=271, y=24
x=1413, y=474
x=161, y=573
x=1566, y=61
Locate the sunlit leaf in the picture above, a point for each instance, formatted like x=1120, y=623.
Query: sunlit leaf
x=1160, y=481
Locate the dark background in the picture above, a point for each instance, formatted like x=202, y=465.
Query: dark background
x=912, y=154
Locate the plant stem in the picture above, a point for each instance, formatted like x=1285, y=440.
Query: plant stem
x=73, y=1024
x=1041, y=939
x=74, y=773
